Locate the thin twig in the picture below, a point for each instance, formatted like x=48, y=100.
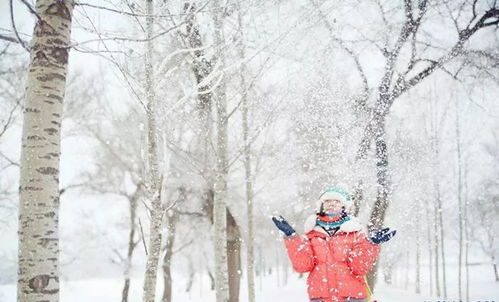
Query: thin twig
x=13, y=23
x=121, y=12
x=142, y=235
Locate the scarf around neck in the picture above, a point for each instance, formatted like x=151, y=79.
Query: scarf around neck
x=331, y=223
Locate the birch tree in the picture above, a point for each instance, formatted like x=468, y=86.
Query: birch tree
x=250, y=253
x=211, y=86
x=220, y=185
x=154, y=183
x=38, y=261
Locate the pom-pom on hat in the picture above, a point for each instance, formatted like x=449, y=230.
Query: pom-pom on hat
x=338, y=194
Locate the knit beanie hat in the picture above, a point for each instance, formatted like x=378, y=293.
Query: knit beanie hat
x=338, y=194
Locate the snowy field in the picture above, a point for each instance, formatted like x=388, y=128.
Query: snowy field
x=482, y=288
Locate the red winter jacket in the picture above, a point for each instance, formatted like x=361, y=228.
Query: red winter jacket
x=336, y=265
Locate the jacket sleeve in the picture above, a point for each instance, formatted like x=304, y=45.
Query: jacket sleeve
x=300, y=253
x=363, y=256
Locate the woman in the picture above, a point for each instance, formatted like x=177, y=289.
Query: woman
x=335, y=250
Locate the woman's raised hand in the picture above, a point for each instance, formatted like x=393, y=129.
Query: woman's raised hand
x=382, y=235
x=283, y=225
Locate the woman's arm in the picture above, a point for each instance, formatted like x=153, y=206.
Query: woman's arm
x=300, y=253
x=362, y=257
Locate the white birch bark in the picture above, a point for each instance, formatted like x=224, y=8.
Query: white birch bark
x=250, y=253
x=152, y=167
x=38, y=273
x=220, y=186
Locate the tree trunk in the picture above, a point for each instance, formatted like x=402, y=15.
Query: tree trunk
x=212, y=280
x=261, y=269
x=494, y=266
x=387, y=273
x=418, y=263
x=153, y=167
x=466, y=235
x=378, y=213
x=430, y=245
x=190, y=281
x=233, y=257
x=381, y=204
x=220, y=186
x=131, y=241
x=459, y=200
x=357, y=197
x=436, y=246
x=201, y=67
x=407, y=266
x=233, y=246
x=250, y=253
x=38, y=250
x=170, y=241
x=438, y=223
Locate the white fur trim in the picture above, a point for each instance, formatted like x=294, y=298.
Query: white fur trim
x=352, y=225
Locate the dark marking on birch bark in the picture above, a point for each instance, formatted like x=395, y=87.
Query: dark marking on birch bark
x=50, y=76
x=35, y=138
x=60, y=54
x=51, y=131
x=49, y=214
x=44, y=242
x=40, y=282
x=47, y=171
x=33, y=110
x=56, y=114
x=56, y=199
x=60, y=9
x=54, y=96
x=39, y=57
x=56, y=41
x=43, y=29
x=50, y=155
x=30, y=188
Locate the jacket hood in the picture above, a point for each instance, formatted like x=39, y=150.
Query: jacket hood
x=350, y=226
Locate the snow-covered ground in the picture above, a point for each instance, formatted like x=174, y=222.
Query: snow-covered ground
x=482, y=288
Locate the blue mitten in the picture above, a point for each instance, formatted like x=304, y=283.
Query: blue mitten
x=283, y=225
x=381, y=236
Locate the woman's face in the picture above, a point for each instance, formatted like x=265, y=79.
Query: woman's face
x=332, y=206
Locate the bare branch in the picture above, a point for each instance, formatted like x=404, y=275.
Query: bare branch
x=10, y=39
x=32, y=10
x=13, y=23
x=130, y=39
x=187, y=213
x=10, y=117
x=142, y=235
x=354, y=56
x=121, y=12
